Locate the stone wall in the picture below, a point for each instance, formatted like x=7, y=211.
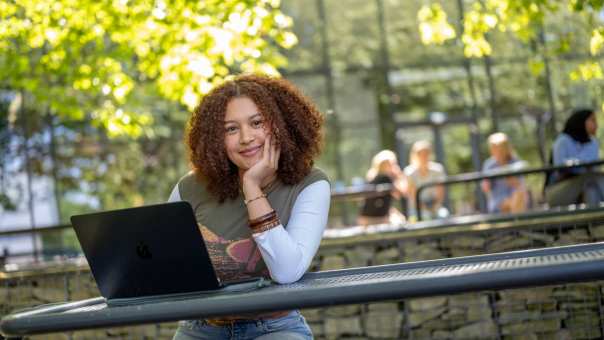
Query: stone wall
x=571, y=311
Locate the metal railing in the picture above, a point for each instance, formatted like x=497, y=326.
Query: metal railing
x=494, y=174
x=431, y=240
x=340, y=194
x=348, y=193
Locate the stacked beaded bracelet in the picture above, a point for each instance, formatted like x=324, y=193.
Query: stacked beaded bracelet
x=264, y=222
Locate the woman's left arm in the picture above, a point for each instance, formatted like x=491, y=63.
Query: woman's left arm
x=288, y=252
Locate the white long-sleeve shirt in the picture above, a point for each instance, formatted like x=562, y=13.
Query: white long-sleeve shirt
x=288, y=251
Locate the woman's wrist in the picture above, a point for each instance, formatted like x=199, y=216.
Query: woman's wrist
x=251, y=190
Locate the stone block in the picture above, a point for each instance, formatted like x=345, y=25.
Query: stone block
x=507, y=317
x=419, y=317
x=383, y=325
x=464, y=300
x=359, y=256
x=545, y=238
x=528, y=295
x=387, y=256
x=464, y=241
x=460, y=252
x=525, y=336
x=590, y=320
x=166, y=331
x=334, y=327
x=478, y=313
x=580, y=235
x=515, y=243
x=455, y=322
x=386, y=307
x=437, y=324
x=48, y=294
x=562, y=334
x=421, y=251
x=586, y=333
x=576, y=292
x=317, y=329
x=423, y=255
x=424, y=304
x=544, y=306
x=312, y=314
x=346, y=310
x=580, y=305
x=420, y=333
x=479, y=330
x=515, y=317
x=551, y=325
x=333, y=262
x=597, y=232
x=454, y=312
x=440, y=334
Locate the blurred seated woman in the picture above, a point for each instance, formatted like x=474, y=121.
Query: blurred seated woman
x=509, y=194
x=420, y=171
x=378, y=209
x=576, y=144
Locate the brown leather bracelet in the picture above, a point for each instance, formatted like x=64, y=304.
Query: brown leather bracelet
x=264, y=218
x=266, y=226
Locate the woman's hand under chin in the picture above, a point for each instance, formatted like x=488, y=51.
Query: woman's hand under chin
x=265, y=170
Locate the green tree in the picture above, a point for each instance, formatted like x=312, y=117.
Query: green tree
x=525, y=20
x=113, y=81
x=85, y=59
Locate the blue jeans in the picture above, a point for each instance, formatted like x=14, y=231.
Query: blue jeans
x=293, y=326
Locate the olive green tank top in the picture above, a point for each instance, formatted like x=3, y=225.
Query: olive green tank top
x=224, y=226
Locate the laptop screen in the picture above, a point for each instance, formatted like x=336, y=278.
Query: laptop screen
x=145, y=251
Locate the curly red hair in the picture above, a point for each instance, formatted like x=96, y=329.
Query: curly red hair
x=294, y=120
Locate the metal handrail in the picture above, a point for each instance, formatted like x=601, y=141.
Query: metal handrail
x=517, y=269
x=492, y=174
x=361, y=192
x=39, y=230
x=347, y=193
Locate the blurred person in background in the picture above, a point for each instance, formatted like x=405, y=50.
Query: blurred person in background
x=509, y=194
x=576, y=144
x=378, y=209
x=422, y=170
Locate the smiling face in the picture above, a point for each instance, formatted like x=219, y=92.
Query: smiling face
x=591, y=125
x=244, y=132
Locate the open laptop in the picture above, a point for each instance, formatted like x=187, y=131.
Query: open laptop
x=150, y=253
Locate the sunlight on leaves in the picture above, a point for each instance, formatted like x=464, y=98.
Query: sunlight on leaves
x=88, y=58
x=477, y=23
x=597, y=41
x=433, y=25
x=587, y=71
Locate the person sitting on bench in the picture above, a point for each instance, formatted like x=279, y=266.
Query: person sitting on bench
x=576, y=144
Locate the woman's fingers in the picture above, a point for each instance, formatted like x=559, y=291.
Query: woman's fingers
x=273, y=156
x=277, y=154
x=266, y=150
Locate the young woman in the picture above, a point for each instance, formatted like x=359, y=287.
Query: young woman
x=576, y=143
x=378, y=210
x=504, y=195
x=422, y=170
x=260, y=204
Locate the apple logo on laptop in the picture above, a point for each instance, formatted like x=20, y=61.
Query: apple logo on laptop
x=142, y=250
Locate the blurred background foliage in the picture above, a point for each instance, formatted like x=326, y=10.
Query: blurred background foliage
x=95, y=94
